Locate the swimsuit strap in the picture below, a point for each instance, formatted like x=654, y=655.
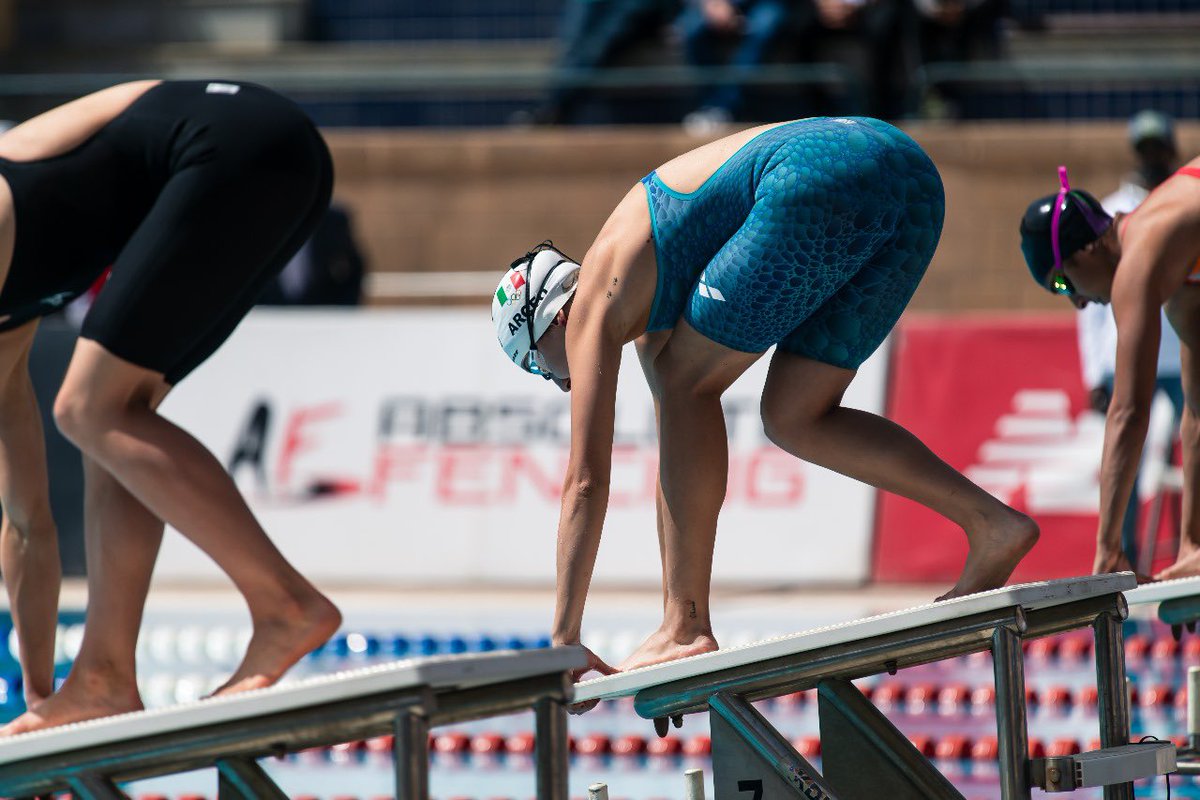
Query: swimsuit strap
x=1193, y=276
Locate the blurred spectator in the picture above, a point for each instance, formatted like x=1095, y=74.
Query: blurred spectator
x=327, y=271
x=8, y=24
x=709, y=28
x=877, y=28
x=1152, y=137
x=956, y=30
x=595, y=34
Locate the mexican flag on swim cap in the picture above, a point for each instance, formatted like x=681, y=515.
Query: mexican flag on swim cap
x=540, y=283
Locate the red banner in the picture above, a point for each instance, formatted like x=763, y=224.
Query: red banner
x=1001, y=400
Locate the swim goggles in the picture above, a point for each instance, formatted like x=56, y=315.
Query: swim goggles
x=535, y=362
x=1060, y=283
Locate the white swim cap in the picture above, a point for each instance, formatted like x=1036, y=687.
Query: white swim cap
x=537, y=285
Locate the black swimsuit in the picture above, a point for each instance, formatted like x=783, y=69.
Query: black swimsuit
x=196, y=195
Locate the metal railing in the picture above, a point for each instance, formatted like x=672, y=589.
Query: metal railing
x=445, y=77
x=401, y=700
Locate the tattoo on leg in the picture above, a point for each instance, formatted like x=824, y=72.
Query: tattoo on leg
x=692, y=613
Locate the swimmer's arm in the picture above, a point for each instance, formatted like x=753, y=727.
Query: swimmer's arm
x=595, y=358
x=64, y=128
x=1137, y=304
x=28, y=539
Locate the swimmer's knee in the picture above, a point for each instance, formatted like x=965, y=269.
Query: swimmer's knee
x=785, y=424
x=82, y=418
x=73, y=417
x=790, y=417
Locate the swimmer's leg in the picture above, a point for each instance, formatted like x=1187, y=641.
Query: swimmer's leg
x=690, y=373
x=122, y=538
x=802, y=413
x=29, y=558
x=1183, y=311
x=103, y=407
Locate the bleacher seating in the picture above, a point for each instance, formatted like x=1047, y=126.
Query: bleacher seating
x=1084, y=7
x=407, y=20
x=346, y=60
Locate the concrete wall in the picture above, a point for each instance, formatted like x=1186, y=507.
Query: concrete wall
x=472, y=200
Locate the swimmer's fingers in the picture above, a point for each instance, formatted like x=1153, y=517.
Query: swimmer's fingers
x=594, y=664
x=1110, y=561
x=599, y=665
x=582, y=708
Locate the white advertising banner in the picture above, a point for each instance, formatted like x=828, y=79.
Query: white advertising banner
x=401, y=446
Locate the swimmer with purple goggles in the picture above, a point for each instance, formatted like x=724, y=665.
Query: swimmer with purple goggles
x=1140, y=262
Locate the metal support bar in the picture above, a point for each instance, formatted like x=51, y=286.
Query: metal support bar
x=551, y=748
x=411, y=754
x=243, y=779
x=1114, y=765
x=849, y=660
x=1072, y=616
x=95, y=787
x=750, y=756
x=1193, y=709
x=864, y=755
x=195, y=748
x=1113, y=700
x=466, y=705
x=1008, y=666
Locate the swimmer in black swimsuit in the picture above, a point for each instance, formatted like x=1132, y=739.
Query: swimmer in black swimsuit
x=196, y=193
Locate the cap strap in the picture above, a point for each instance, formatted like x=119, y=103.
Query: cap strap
x=1058, y=204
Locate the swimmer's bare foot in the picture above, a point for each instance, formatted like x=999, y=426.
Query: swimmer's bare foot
x=665, y=646
x=995, y=551
x=1186, y=549
x=281, y=639
x=86, y=694
x=1186, y=566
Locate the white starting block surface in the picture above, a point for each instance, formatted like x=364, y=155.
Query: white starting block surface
x=1030, y=596
x=439, y=673
x=1163, y=590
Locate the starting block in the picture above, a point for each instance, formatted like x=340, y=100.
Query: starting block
x=864, y=756
x=1178, y=605
x=1178, y=602
x=403, y=699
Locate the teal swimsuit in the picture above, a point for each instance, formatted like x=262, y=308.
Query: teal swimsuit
x=813, y=236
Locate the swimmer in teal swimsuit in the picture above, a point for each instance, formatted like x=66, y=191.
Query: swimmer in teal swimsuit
x=809, y=235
